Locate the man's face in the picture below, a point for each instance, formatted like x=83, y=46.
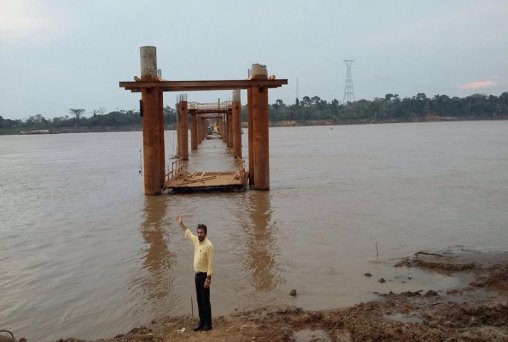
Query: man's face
x=201, y=234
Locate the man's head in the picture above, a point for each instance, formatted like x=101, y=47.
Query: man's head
x=202, y=231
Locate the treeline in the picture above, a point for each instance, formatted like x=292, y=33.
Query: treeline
x=393, y=108
x=76, y=121
x=389, y=108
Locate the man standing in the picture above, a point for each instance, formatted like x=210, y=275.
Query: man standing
x=203, y=266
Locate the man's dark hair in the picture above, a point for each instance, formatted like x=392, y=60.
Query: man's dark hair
x=202, y=226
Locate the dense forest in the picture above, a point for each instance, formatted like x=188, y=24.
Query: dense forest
x=393, y=108
x=308, y=110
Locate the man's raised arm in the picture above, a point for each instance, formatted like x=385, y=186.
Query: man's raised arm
x=180, y=223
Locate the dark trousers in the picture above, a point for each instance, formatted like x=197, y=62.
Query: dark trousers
x=203, y=297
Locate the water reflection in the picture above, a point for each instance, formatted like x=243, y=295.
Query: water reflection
x=157, y=257
x=261, y=242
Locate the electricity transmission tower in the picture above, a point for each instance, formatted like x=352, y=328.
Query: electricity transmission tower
x=349, y=92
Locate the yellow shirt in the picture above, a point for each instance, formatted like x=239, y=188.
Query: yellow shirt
x=203, y=253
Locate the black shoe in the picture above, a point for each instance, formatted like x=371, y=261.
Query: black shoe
x=198, y=327
x=206, y=328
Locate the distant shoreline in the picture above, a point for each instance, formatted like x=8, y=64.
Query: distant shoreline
x=294, y=123
x=285, y=123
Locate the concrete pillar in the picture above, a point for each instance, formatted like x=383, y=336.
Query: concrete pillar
x=261, y=127
x=205, y=128
x=230, y=128
x=152, y=138
x=194, y=131
x=250, y=135
x=225, y=128
x=151, y=142
x=162, y=148
x=183, y=131
x=219, y=126
x=201, y=129
x=200, y=124
x=198, y=129
x=148, y=56
x=237, y=124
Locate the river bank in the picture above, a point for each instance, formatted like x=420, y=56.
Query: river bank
x=353, y=121
x=283, y=123
x=476, y=311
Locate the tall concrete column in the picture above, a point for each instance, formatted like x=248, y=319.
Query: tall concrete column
x=261, y=127
x=162, y=148
x=151, y=124
x=225, y=127
x=201, y=129
x=183, y=131
x=237, y=124
x=219, y=126
x=148, y=56
x=250, y=134
x=151, y=142
x=230, y=128
x=205, y=128
x=198, y=129
x=194, y=131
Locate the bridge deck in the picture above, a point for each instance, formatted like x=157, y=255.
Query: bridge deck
x=224, y=172
x=234, y=180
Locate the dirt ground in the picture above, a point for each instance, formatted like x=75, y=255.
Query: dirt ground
x=476, y=312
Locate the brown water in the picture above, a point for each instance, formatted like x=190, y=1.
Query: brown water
x=83, y=252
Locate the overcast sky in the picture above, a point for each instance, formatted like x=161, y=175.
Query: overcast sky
x=61, y=54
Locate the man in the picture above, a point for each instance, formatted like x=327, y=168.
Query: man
x=203, y=266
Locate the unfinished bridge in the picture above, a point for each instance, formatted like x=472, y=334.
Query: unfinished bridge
x=223, y=118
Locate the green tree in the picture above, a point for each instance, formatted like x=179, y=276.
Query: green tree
x=77, y=113
x=306, y=102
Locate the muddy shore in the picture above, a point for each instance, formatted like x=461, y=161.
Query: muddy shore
x=478, y=311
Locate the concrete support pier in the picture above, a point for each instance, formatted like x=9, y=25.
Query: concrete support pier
x=162, y=148
x=225, y=128
x=200, y=129
x=250, y=133
x=153, y=124
x=183, y=130
x=260, y=129
x=230, y=128
x=194, y=131
x=204, y=131
x=219, y=126
x=236, y=108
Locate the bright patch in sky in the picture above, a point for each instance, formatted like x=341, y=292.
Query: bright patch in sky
x=15, y=18
x=22, y=19
x=483, y=84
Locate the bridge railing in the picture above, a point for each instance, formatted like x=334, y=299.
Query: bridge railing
x=209, y=106
x=240, y=169
x=176, y=169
